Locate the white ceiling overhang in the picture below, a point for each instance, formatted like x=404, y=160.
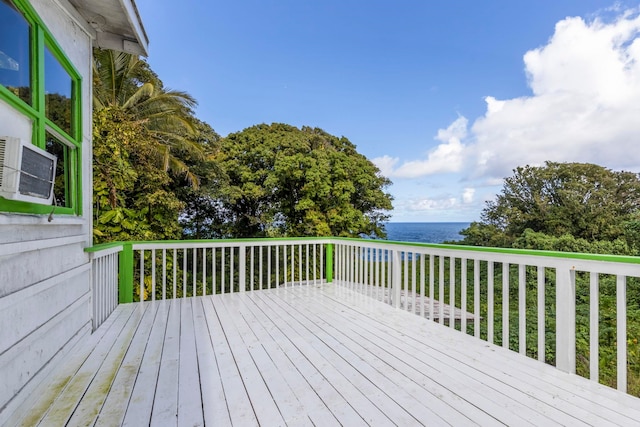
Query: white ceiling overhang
x=116, y=23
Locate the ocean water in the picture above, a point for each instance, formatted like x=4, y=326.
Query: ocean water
x=425, y=232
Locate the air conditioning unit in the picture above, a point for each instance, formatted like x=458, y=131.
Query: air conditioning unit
x=27, y=172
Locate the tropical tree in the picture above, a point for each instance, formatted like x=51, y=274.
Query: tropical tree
x=285, y=181
x=140, y=130
x=570, y=200
x=125, y=82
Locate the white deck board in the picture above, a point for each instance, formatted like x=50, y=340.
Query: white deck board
x=307, y=355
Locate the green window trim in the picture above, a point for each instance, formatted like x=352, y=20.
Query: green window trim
x=40, y=38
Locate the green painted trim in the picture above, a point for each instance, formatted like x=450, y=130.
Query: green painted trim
x=40, y=37
x=125, y=276
x=552, y=254
x=103, y=246
x=329, y=263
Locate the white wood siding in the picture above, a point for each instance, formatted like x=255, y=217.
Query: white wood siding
x=44, y=273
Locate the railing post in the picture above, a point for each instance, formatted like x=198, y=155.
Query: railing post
x=396, y=278
x=329, y=262
x=566, y=319
x=125, y=288
x=242, y=274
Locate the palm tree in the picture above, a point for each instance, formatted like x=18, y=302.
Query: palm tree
x=124, y=82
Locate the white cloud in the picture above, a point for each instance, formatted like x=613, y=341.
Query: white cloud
x=585, y=103
x=385, y=164
x=431, y=204
x=446, y=157
x=467, y=195
x=584, y=107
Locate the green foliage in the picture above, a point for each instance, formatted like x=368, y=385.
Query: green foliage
x=131, y=195
x=578, y=199
x=570, y=207
x=285, y=181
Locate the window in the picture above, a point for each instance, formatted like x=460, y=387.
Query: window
x=39, y=82
x=15, y=60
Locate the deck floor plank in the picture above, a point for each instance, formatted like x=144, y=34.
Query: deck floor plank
x=492, y=362
x=476, y=387
x=286, y=399
x=140, y=406
x=165, y=403
x=324, y=360
x=262, y=400
x=306, y=355
x=295, y=351
x=73, y=395
x=115, y=405
x=214, y=402
x=189, y=388
x=392, y=383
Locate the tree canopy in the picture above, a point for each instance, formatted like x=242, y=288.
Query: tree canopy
x=283, y=181
x=579, y=201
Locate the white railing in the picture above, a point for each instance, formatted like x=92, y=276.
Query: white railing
x=508, y=297
x=165, y=270
x=104, y=283
x=555, y=307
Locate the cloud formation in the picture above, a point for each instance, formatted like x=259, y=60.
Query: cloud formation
x=584, y=107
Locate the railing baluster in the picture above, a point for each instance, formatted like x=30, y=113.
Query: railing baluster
x=232, y=263
x=204, y=271
x=153, y=274
x=223, y=285
x=405, y=279
x=214, y=285
x=594, y=320
x=194, y=291
x=541, y=314
x=396, y=277
x=441, y=290
x=452, y=292
x=522, y=308
x=621, y=331
x=277, y=261
x=414, y=268
x=175, y=271
x=490, y=302
x=505, y=304
x=260, y=266
x=185, y=254
x=164, y=274
x=432, y=278
x=252, y=268
x=269, y=284
x=476, y=298
x=242, y=269
x=566, y=319
x=141, y=274
x=423, y=260
x=463, y=295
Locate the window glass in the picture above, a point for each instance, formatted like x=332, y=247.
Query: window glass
x=15, y=67
x=62, y=152
x=58, y=87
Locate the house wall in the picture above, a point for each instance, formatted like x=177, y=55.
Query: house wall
x=45, y=300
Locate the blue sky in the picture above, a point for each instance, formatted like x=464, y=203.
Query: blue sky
x=447, y=97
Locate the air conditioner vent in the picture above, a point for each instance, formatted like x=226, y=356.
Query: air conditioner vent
x=27, y=173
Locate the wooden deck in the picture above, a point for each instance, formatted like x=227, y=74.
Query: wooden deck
x=307, y=355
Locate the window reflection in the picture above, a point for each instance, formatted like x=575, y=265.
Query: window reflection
x=58, y=86
x=61, y=151
x=15, y=65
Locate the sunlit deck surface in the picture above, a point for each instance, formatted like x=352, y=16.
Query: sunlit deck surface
x=307, y=355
